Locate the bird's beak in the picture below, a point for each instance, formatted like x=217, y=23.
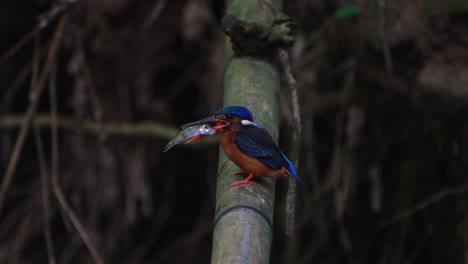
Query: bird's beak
x=217, y=122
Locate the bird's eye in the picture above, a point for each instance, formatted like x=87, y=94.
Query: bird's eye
x=228, y=116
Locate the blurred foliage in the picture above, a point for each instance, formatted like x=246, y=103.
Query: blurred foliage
x=347, y=11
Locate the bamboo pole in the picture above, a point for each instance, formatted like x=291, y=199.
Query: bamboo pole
x=244, y=214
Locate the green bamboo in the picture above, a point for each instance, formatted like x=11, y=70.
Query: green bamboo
x=244, y=214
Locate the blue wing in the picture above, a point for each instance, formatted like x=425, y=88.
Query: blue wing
x=256, y=142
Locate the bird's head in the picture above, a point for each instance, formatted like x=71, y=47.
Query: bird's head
x=228, y=118
x=237, y=116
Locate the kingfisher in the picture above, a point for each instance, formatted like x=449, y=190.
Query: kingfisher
x=248, y=145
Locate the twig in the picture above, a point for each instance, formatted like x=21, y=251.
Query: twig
x=35, y=96
x=35, y=62
x=55, y=182
x=12, y=89
x=75, y=221
x=71, y=250
x=311, y=166
x=91, y=87
x=336, y=179
x=19, y=44
x=155, y=12
x=43, y=21
x=425, y=203
x=47, y=17
x=43, y=170
x=19, y=239
x=45, y=196
x=384, y=35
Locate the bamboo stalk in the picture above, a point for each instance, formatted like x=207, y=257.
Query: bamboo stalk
x=244, y=214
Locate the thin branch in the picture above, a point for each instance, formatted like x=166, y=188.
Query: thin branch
x=55, y=171
x=12, y=89
x=20, y=238
x=35, y=96
x=45, y=196
x=42, y=166
x=91, y=87
x=43, y=21
x=425, y=203
x=46, y=18
x=155, y=12
x=384, y=35
x=12, y=51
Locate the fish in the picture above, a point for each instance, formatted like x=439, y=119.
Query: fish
x=190, y=134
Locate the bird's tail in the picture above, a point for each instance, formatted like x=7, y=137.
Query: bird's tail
x=291, y=169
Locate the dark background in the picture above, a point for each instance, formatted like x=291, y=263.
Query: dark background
x=383, y=93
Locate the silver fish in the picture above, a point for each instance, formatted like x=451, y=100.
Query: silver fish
x=191, y=133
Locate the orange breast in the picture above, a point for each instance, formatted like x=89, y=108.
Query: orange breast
x=246, y=163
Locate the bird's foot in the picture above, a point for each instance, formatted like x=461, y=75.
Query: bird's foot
x=241, y=183
x=246, y=181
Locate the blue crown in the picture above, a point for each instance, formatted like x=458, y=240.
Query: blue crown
x=236, y=110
